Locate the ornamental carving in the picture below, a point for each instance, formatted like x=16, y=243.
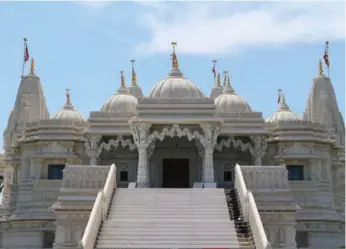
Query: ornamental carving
x=211, y=132
x=175, y=131
x=231, y=141
x=140, y=132
x=295, y=148
x=114, y=143
x=259, y=145
x=91, y=145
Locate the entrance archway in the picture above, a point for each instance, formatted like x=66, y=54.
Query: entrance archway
x=174, y=157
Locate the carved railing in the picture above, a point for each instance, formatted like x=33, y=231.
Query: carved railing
x=99, y=211
x=250, y=211
x=264, y=177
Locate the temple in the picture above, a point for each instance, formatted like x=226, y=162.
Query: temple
x=174, y=169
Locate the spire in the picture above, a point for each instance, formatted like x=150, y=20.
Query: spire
x=32, y=66
x=218, y=80
x=320, y=68
x=225, y=73
x=68, y=105
x=227, y=84
x=122, y=79
x=134, y=76
x=175, y=63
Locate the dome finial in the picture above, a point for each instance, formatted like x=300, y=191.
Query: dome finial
x=279, y=95
x=134, y=76
x=122, y=79
x=282, y=100
x=175, y=63
x=218, y=80
x=320, y=67
x=32, y=66
x=68, y=96
x=68, y=105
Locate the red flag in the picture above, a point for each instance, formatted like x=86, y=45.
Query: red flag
x=26, y=53
x=326, y=58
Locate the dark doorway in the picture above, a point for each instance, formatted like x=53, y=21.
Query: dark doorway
x=176, y=173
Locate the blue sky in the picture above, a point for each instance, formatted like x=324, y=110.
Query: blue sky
x=84, y=45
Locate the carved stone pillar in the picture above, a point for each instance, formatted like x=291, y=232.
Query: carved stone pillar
x=140, y=137
x=92, y=148
x=143, y=167
x=208, y=163
x=10, y=190
x=211, y=132
x=258, y=149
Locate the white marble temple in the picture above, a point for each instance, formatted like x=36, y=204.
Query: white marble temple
x=174, y=137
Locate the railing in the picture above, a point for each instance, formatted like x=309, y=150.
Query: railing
x=250, y=211
x=99, y=212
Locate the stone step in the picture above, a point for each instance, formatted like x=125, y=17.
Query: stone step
x=158, y=232
x=153, y=237
x=169, y=221
x=167, y=244
x=168, y=205
x=168, y=218
x=117, y=218
x=112, y=225
x=169, y=211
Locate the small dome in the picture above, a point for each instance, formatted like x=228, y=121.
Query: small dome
x=175, y=86
x=230, y=102
x=121, y=102
x=68, y=112
x=283, y=114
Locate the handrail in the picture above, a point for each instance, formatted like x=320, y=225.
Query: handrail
x=99, y=211
x=250, y=211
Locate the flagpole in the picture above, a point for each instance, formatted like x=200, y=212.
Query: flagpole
x=25, y=40
x=327, y=51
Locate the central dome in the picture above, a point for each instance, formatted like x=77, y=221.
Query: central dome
x=175, y=86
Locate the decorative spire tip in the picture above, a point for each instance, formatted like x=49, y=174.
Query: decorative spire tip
x=175, y=63
x=68, y=96
x=32, y=66
x=134, y=76
x=122, y=79
x=320, y=67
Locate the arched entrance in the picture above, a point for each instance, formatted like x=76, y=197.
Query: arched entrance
x=174, y=159
x=175, y=163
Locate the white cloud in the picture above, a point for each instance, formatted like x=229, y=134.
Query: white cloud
x=218, y=27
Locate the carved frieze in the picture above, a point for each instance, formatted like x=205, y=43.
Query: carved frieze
x=114, y=143
x=231, y=141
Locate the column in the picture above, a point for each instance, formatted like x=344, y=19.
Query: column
x=211, y=132
x=140, y=137
x=92, y=148
x=142, y=170
x=259, y=148
x=208, y=163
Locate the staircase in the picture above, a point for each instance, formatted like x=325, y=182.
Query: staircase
x=168, y=218
x=243, y=229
